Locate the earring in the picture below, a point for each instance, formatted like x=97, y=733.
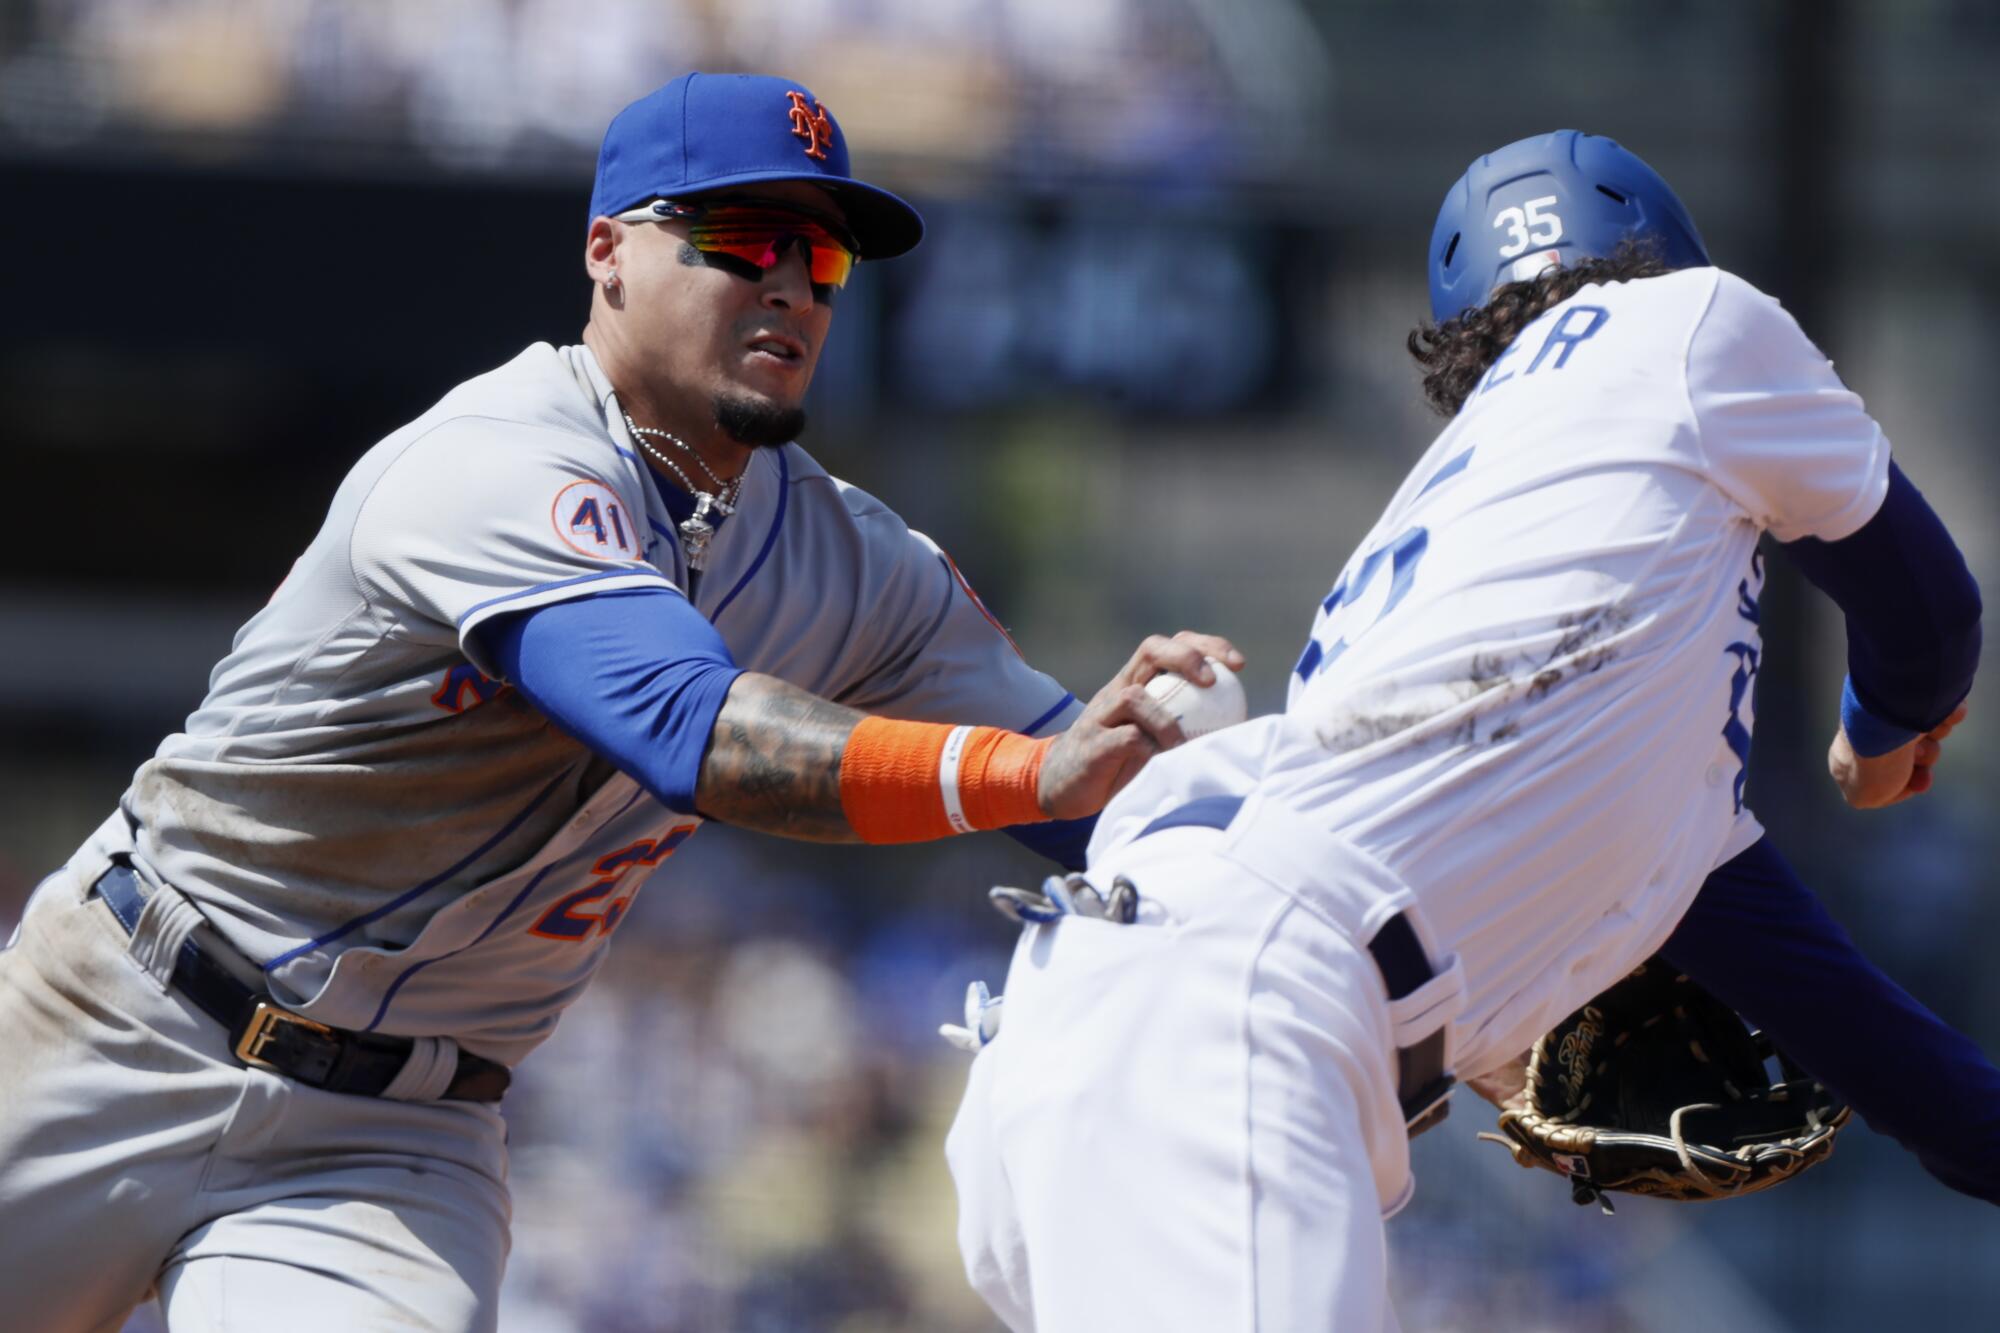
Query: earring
x=611, y=281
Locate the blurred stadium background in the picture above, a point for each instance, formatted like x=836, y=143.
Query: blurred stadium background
x=1146, y=373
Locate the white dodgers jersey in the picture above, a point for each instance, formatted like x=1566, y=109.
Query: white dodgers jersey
x=1528, y=694
x=393, y=834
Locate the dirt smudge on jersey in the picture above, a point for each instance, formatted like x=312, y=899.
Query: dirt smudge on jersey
x=1450, y=715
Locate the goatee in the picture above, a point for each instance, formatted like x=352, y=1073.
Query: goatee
x=757, y=423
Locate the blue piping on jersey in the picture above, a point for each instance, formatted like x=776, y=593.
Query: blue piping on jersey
x=1448, y=471
x=626, y=572
x=1049, y=716
x=423, y=888
x=770, y=538
x=389, y=996
x=628, y=454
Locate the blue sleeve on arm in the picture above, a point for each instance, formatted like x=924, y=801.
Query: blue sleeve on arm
x=1063, y=841
x=1912, y=611
x=1760, y=941
x=638, y=676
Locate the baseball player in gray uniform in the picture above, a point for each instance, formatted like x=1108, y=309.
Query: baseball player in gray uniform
x=256, y=1029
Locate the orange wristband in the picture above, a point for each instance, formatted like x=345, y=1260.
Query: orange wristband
x=915, y=781
x=1000, y=778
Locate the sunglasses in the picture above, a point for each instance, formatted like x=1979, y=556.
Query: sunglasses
x=759, y=233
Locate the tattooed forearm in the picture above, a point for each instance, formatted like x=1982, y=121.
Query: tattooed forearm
x=773, y=762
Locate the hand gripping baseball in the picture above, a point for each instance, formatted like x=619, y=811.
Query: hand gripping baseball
x=1124, y=726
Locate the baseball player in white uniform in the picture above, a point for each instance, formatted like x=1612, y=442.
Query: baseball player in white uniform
x=1511, y=752
x=256, y=1029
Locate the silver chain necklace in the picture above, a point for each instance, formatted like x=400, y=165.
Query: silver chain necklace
x=695, y=529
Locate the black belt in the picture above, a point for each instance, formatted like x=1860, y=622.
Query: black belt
x=1422, y=1085
x=266, y=1036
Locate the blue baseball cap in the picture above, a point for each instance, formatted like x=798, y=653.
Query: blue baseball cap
x=712, y=131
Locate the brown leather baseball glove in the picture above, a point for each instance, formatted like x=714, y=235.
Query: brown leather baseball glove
x=1656, y=1087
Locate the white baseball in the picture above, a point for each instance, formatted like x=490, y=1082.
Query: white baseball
x=1202, y=708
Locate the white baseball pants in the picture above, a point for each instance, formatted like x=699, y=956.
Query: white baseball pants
x=136, y=1155
x=1190, y=1123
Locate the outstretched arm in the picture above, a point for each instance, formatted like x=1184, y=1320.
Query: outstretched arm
x=642, y=679
x=1760, y=941
x=786, y=762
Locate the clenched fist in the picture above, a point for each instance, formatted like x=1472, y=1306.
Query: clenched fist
x=1124, y=726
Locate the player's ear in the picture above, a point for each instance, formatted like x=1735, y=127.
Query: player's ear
x=600, y=250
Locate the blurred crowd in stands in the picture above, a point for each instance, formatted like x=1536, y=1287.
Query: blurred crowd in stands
x=1187, y=84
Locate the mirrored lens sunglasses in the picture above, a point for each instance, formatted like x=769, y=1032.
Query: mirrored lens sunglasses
x=756, y=233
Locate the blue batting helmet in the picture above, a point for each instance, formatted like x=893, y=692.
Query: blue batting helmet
x=1539, y=201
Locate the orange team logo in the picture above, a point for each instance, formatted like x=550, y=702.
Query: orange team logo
x=465, y=686
x=813, y=126
x=980, y=603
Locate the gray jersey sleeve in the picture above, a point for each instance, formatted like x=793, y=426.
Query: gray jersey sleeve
x=479, y=517
x=949, y=659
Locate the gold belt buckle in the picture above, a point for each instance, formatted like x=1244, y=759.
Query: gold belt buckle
x=258, y=1032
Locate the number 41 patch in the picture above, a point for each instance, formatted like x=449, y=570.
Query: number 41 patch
x=591, y=519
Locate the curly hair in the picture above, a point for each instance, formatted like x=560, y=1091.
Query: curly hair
x=1456, y=353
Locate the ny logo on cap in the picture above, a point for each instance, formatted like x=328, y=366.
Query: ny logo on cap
x=812, y=126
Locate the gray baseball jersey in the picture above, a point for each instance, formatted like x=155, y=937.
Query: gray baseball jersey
x=399, y=840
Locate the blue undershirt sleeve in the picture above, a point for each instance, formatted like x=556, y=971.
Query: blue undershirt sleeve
x=1760, y=941
x=1912, y=611
x=1063, y=841
x=638, y=676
